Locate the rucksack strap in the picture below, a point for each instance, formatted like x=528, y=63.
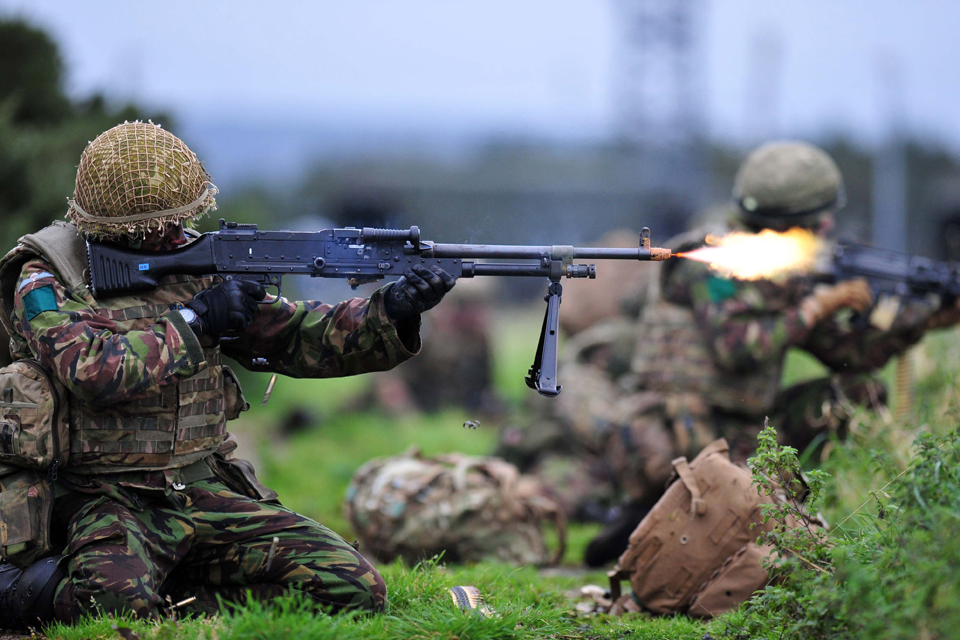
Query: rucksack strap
x=65, y=250
x=698, y=505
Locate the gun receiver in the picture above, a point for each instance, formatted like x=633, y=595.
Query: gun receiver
x=360, y=256
x=894, y=272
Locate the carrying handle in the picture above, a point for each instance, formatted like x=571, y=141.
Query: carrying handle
x=698, y=505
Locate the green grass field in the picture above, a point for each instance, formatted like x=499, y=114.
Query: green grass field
x=311, y=470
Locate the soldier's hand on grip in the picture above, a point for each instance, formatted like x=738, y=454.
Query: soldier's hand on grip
x=228, y=306
x=418, y=290
x=851, y=294
x=948, y=316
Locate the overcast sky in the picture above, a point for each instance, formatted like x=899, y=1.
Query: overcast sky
x=541, y=67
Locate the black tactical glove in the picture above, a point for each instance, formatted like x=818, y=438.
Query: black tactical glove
x=416, y=291
x=229, y=306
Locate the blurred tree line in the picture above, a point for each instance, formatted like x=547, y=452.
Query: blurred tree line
x=43, y=131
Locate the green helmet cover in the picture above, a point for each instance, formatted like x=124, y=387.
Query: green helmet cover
x=788, y=183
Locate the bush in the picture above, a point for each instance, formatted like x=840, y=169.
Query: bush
x=896, y=575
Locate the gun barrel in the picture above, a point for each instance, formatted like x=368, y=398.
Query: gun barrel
x=534, y=252
x=613, y=253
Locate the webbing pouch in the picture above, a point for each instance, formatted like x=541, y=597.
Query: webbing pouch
x=233, y=401
x=34, y=432
x=26, y=508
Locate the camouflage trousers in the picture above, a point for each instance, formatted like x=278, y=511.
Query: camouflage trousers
x=204, y=542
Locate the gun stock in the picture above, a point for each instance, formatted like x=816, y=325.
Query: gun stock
x=116, y=270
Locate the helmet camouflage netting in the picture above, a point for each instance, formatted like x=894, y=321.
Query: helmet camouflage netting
x=138, y=176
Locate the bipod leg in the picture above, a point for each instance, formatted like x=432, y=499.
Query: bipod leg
x=542, y=375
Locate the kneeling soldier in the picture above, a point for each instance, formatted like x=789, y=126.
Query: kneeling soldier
x=153, y=507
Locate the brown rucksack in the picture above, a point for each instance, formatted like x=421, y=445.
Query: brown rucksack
x=696, y=551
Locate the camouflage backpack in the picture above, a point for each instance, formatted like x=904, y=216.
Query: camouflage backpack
x=468, y=508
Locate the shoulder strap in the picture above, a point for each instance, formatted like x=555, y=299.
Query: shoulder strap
x=697, y=506
x=62, y=246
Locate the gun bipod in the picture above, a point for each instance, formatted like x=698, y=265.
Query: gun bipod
x=542, y=374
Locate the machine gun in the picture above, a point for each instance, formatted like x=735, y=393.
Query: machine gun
x=894, y=272
x=360, y=256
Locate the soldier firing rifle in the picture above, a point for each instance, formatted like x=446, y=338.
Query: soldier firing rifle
x=115, y=412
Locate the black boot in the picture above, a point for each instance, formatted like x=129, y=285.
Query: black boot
x=610, y=543
x=26, y=595
x=9, y=578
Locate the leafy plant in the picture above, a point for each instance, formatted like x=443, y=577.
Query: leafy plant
x=795, y=534
x=895, y=574
x=798, y=603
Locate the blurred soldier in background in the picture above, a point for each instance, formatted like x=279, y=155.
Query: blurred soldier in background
x=457, y=350
x=708, y=355
x=152, y=507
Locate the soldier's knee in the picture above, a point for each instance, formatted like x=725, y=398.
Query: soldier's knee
x=374, y=596
x=354, y=586
x=81, y=597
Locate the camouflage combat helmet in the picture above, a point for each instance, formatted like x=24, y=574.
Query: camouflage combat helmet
x=136, y=176
x=788, y=184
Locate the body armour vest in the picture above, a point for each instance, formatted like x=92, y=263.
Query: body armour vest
x=160, y=428
x=672, y=356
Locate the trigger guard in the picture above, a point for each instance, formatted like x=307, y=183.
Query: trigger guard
x=266, y=287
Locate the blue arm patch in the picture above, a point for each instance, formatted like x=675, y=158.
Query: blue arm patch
x=39, y=300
